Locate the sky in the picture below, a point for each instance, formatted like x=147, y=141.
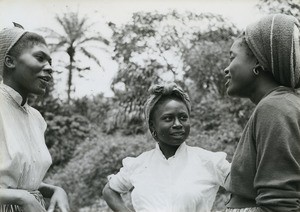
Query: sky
x=33, y=14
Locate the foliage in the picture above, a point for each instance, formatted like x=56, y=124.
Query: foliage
x=78, y=38
x=190, y=49
x=86, y=173
x=96, y=109
x=155, y=47
x=63, y=134
x=66, y=128
x=289, y=7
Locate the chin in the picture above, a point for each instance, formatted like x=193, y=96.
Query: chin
x=39, y=91
x=177, y=142
x=232, y=92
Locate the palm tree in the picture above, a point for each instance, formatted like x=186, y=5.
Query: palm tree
x=77, y=34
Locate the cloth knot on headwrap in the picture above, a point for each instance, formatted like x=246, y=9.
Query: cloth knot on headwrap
x=274, y=40
x=156, y=92
x=8, y=38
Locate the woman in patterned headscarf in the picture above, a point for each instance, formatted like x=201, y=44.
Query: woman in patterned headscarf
x=173, y=176
x=265, y=67
x=25, y=66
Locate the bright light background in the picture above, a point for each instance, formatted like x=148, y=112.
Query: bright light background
x=33, y=14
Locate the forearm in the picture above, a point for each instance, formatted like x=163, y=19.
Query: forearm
x=13, y=196
x=114, y=199
x=58, y=196
x=47, y=190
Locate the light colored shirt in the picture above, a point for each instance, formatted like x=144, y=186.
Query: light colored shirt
x=24, y=157
x=188, y=181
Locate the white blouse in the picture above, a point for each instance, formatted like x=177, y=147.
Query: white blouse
x=24, y=157
x=188, y=181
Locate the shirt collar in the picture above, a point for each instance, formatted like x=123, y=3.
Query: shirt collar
x=181, y=149
x=14, y=94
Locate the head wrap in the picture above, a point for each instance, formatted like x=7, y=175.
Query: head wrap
x=8, y=38
x=274, y=40
x=161, y=90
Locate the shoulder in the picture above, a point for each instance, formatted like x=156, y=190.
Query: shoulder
x=38, y=116
x=282, y=103
x=35, y=112
x=215, y=162
x=135, y=162
x=206, y=155
x=3, y=96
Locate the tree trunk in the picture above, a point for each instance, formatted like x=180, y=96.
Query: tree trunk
x=70, y=80
x=71, y=52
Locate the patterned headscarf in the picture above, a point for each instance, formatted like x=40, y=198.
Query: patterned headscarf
x=8, y=38
x=274, y=40
x=162, y=90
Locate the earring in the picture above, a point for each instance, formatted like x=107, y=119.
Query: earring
x=255, y=71
x=154, y=134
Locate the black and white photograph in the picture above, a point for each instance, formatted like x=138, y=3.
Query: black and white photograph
x=150, y=106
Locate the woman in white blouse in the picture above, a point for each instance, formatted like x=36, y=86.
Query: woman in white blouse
x=25, y=66
x=173, y=176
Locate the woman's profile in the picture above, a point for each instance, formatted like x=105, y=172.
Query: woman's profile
x=25, y=67
x=265, y=67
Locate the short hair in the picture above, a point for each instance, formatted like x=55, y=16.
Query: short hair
x=28, y=40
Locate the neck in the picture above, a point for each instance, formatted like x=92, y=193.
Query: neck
x=262, y=88
x=167, y=150
x=11, y=84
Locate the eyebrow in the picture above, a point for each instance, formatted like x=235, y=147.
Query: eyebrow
x=45, y=55
x=170, y=114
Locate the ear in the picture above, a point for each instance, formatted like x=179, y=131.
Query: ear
x=258, y=67
x=151, y=126
x=9, y=61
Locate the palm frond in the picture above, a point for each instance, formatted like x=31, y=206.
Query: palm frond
x=50, y=33
x=92, y=56
x=94, y=38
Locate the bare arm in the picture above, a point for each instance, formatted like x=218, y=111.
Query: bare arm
x=58, y=197
x=22, y=198
x=114, y=199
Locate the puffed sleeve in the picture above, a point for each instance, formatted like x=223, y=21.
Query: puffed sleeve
x=121, y=182
x=222, y=167
x=277, y=179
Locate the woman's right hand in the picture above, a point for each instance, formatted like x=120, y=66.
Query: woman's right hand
x=29, y=203
x=114, y=200
x=22, y=198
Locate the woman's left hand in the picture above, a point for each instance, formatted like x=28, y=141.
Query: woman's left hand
x=59, y=200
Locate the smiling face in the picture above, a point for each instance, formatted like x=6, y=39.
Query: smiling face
x=171, y=121
x=239, y=73
x=32, y=70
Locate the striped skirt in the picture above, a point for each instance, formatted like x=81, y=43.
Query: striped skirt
x=16, y=208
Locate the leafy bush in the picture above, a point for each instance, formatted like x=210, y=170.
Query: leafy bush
x=63, y=134
x=86, y=174
x=95, y=109
x=66, y=128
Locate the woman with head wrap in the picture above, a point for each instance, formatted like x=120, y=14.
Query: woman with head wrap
x=265, y=67
x=25, y=66
x=173, y=176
